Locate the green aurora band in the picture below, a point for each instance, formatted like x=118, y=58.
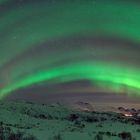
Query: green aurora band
x=56, y=42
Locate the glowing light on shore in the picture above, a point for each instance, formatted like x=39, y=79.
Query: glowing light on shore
x=128, y=115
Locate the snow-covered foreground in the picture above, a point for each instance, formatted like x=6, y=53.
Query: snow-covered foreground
x=58, y=122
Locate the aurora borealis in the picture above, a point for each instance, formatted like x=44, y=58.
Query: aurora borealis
x=49, y=42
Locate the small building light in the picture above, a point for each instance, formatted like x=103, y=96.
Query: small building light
x=128, y=115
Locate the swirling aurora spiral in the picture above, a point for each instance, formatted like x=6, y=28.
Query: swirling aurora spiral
x=61, y=41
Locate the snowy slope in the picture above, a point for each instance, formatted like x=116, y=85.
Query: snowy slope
x=58, y=122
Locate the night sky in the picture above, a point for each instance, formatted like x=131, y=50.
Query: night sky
x=70, y=48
